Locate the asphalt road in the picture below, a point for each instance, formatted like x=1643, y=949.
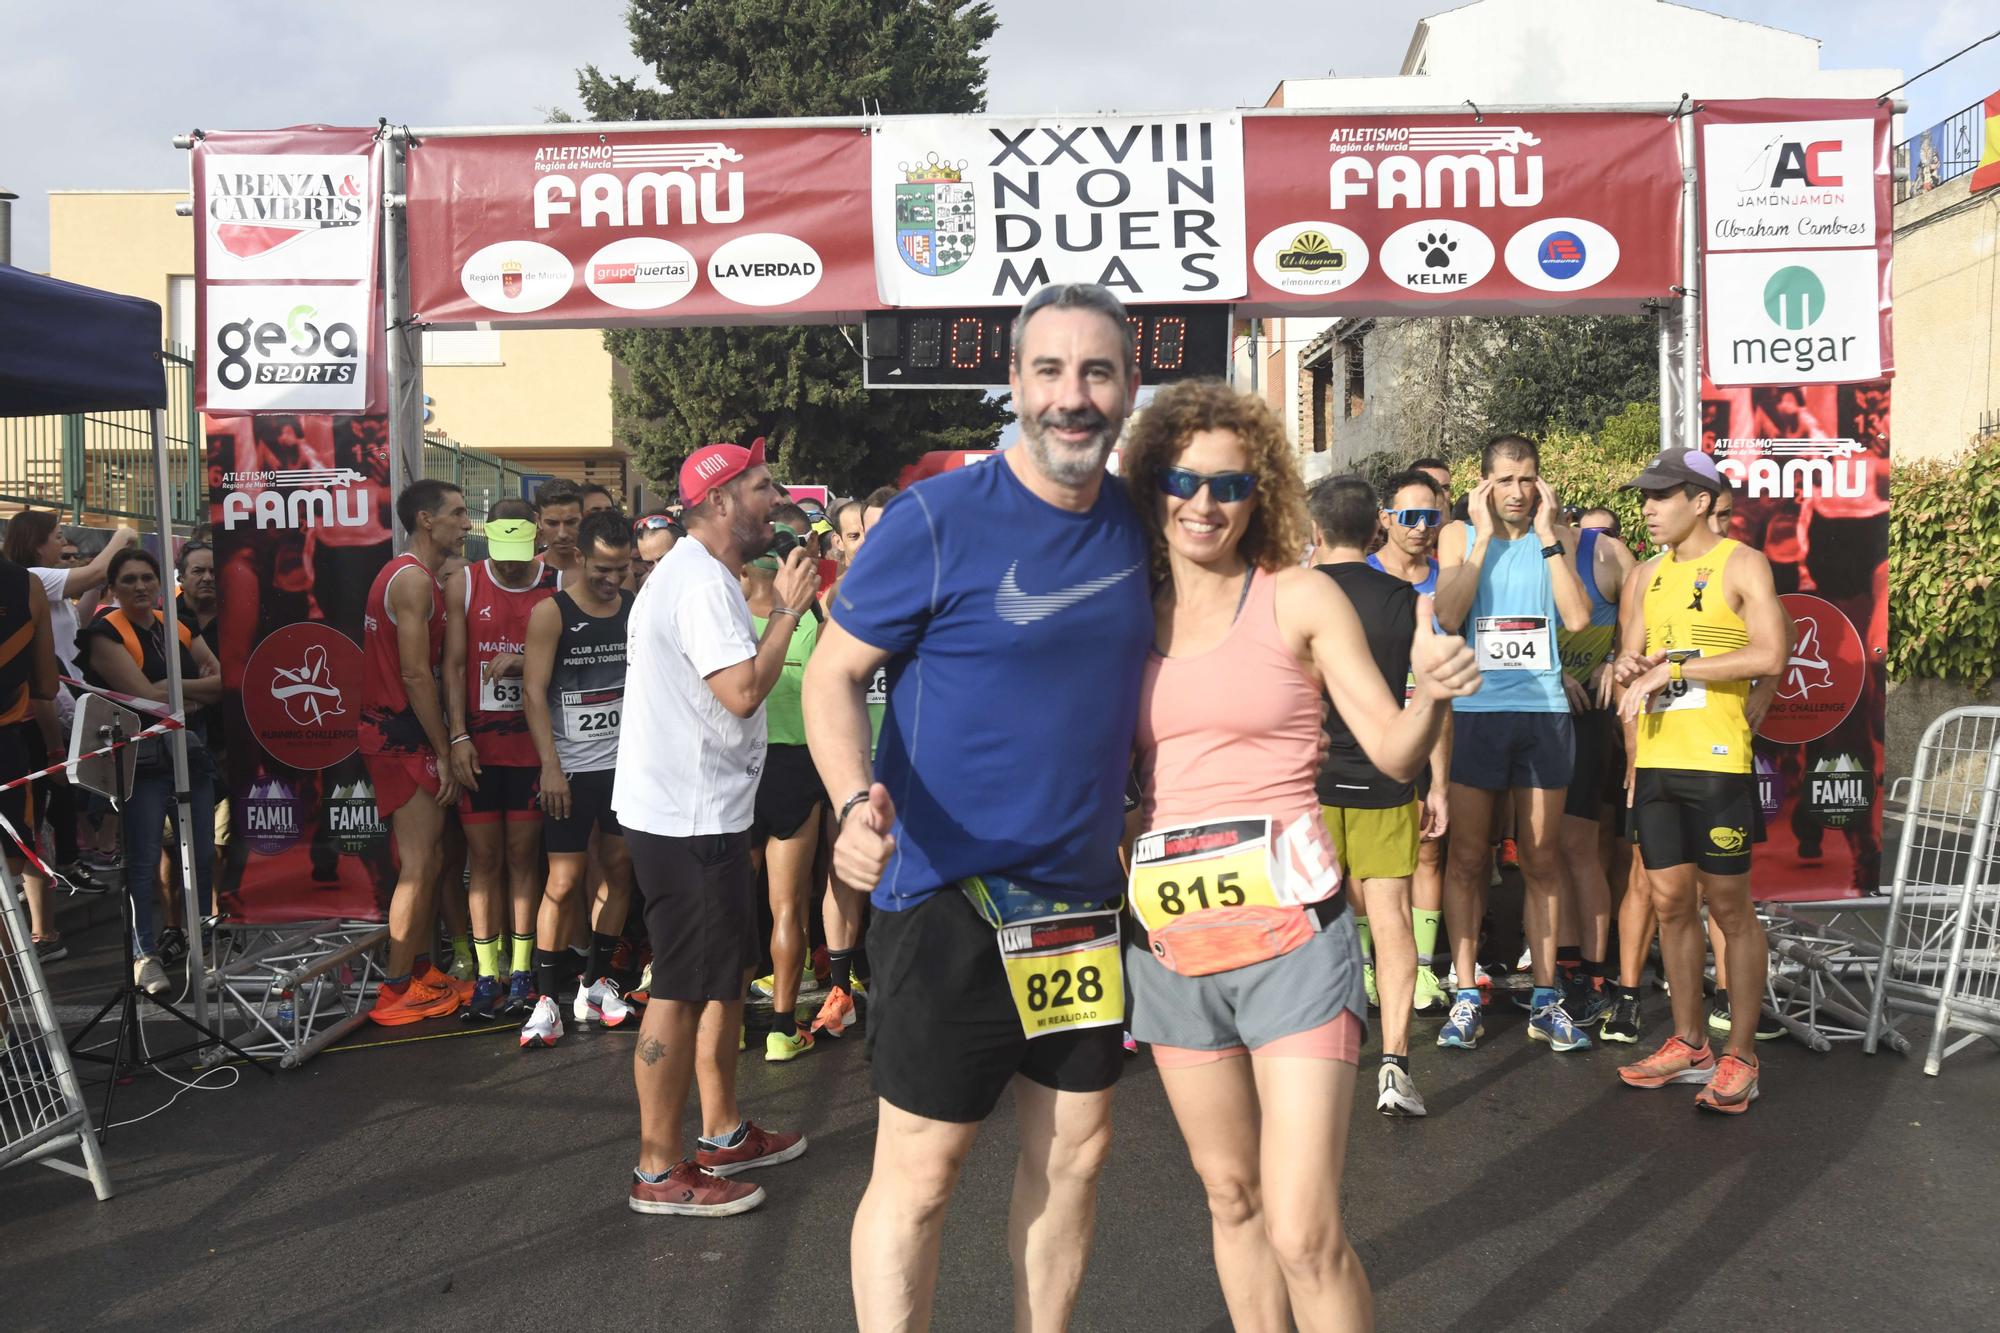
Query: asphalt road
x=463, y=1184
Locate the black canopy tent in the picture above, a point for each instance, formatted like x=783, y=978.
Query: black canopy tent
x=67, y=349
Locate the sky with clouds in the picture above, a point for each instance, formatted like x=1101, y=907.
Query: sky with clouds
x=95, y=91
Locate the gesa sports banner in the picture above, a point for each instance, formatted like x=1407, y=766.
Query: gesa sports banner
x=1482, y=214
x=1796, y=221
x=285, y=258
x=976, y=210
x=717, y=226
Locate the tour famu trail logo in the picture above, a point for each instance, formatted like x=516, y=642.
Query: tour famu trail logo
x=936, y=225
x=1310, y=252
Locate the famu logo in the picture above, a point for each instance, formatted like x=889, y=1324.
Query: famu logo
x=1837, y=790
x=352, y=820
x=316, y=497
x=936, y=219
x=1311, y=252
x=270, y=816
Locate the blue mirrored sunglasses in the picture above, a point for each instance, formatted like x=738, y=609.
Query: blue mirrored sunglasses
x=1226, y=487
x=1410, y=518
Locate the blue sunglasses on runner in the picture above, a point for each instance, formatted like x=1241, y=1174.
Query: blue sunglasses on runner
x=1226, y=487
x=1410, y=518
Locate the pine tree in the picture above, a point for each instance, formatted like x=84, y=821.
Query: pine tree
x=799, y=387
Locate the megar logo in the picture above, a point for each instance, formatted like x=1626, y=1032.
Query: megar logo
x=1795, y=298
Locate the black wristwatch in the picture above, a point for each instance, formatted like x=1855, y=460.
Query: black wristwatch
x=1553, y=548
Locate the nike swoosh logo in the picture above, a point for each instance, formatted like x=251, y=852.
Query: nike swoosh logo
x=1020, y=608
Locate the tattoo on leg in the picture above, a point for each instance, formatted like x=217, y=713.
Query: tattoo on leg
x=650, y=1050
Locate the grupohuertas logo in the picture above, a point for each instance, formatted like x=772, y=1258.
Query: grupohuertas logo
x=1794, y=297
x=936, y=220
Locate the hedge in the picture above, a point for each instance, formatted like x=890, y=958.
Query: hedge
x=1944, y=557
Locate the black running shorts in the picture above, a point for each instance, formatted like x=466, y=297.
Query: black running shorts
x=701, y=912
x=506, y=792
x=1686, y=817
x=788, y=793
x=1589, y=791
x=944, y=1039
x=589, y=808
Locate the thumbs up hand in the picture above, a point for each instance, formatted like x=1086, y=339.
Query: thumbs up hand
x=1443, y=664
x=863, y=843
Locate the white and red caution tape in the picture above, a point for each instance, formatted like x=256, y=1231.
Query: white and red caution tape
x=151, y=707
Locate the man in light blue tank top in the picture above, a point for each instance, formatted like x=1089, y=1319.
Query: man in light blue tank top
x=1507, y=580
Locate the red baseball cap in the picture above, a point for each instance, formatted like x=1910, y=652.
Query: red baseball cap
x=713, y=464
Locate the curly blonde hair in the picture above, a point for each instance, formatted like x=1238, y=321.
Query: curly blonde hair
x=1278, y=533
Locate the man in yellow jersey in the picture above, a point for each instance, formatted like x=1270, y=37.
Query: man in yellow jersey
x=1710, y=623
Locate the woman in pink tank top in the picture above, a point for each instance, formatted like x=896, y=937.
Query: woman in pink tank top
x=1242, y=961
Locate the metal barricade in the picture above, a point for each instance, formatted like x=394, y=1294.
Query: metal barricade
x=1941, y=943
x=41, y=1104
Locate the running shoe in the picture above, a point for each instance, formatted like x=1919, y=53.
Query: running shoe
x=1368, y=984
x=463, y=969
x=1480, y=978
x=766, y=986
x=1396, y=1093
x=173, y=946
x=544, y=1026
x=520, y=994
x=689, y=1191
x=837, y=1013
x=484, y=1006
x=1510, y=855
x=1588, y=1006
x=1431, y=993
x=600, y=1002
x=759, y=1147
x=414, y=1005
x=1732, y=1088
x=1674, y=1062
x=1463, y=1028
x=50, y=949
x=1623, y=1025
x=436, y=980
x=641, y=993
x=779, y=1048
x=1130, y=1044
x=1720, y=1020
x=149, y=976
x=80, y=879
x=1551, y=1023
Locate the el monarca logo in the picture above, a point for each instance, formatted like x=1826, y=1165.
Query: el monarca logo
x=1311, y=252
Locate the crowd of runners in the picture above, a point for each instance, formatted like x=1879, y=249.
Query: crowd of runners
x=1065, y=762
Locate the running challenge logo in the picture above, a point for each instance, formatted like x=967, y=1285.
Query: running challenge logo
x=1789, y=185
x=1822, y=680
x=293, y=349
x=290, y=216
x=296, y=686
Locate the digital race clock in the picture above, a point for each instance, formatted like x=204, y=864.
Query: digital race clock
x=972, y=348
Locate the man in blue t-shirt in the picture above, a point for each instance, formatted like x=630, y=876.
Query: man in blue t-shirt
x=1010, y=603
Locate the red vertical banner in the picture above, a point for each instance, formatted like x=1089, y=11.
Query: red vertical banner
x=292, y=381
x=1795, y=235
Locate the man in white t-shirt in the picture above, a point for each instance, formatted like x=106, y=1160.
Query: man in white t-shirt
x=685, y=792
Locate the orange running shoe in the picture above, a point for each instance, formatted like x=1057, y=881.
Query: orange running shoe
x=1674, y=1062
x=836, y=1013
x=1733, y=1087
x=414, y=1005
x=435, y=980
x=1510, y=855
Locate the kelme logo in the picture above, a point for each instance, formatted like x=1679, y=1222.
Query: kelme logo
x=1794, y=298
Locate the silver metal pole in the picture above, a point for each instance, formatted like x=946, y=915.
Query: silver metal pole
x=178, y=739
x=1690, y=360
x=406, y=427
x=1669, y=386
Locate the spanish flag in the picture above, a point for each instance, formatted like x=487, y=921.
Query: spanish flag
x=1987, y=174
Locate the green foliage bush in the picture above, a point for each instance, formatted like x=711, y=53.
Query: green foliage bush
x=1944, y=558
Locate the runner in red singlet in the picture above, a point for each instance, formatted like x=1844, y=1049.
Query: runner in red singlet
x=404, y=742
x=492, y=755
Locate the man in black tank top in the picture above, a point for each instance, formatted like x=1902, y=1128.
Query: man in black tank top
x=27, y=697
x=1375, y=822
x=573, y=693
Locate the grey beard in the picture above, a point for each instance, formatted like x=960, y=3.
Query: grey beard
x=1065, y=466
